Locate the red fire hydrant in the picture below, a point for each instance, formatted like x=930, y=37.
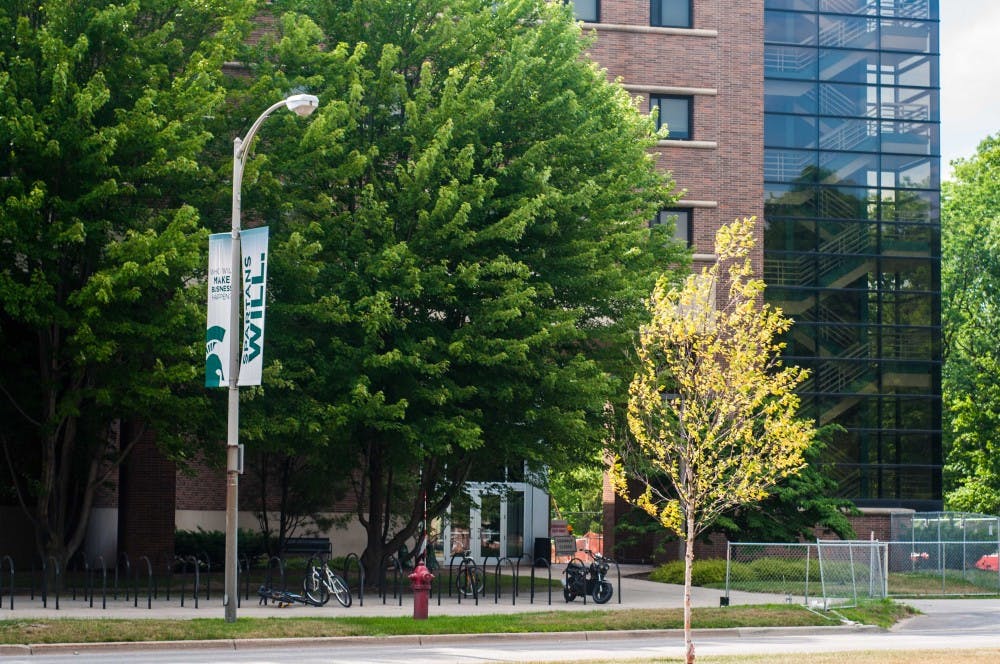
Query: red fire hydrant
x=421, y=578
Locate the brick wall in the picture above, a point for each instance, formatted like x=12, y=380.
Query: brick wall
x=146, y=499
x=719, y=62
x=722, y=59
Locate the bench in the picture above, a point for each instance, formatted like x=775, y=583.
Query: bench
x=307, y=546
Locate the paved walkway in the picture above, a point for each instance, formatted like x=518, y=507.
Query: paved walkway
x=633, y=593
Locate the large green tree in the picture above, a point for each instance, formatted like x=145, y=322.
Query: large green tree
x=464, y=237
x=970, y=285
x=103, y=112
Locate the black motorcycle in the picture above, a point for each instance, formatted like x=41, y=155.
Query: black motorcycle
x=588, y=579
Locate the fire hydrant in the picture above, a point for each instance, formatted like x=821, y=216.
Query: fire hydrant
x=421, y=578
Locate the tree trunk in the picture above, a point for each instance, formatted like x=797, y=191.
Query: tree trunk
x=688, y=564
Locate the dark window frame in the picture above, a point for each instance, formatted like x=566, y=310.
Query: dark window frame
x=656, y=99
x=688, y=238
x=656, y=18
x=597, y=10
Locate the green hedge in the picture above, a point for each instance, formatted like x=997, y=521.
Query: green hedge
x=213, y=543
x=712, y=572
x=703, y=572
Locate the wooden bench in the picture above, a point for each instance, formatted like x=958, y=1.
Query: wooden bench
x=308, y=546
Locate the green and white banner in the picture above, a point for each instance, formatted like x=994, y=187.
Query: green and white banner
x=254, y=246
x=220, y=289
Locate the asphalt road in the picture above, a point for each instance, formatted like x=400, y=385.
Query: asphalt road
x=945, y=625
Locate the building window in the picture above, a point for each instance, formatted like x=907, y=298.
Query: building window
x=676, y=113
x=681, y=219
x=587, y=10
x=670, y=13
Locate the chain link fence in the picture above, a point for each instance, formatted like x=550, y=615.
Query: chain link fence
x=829, y=573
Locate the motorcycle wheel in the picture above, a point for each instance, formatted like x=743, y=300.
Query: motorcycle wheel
x=603, y=590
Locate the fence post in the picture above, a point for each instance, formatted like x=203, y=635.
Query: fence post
x=729, y=562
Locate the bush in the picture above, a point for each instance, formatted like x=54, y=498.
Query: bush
x=703, y=573
x=212, y=543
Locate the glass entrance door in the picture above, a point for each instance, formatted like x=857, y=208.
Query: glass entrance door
x=496, y=517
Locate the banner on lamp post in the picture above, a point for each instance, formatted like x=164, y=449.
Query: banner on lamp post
x=254, y=279
x=220, y=290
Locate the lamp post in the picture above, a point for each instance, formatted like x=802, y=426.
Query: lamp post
x=301, y=105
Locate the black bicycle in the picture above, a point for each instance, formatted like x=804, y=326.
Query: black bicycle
x=588, y=579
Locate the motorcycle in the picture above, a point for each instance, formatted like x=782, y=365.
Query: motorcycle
x=588, y=579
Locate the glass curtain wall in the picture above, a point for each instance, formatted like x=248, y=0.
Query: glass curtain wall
x=852, y=232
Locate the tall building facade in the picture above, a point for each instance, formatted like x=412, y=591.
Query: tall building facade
x=820, y=117
x=852, y=239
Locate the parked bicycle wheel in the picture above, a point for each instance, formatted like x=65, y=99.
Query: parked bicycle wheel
x=314, y=589
x=340, y=590
x=470, y=580
x=603, y=590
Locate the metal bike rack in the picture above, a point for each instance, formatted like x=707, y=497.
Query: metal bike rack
x=361, y=575
x=548, y=567
x=10, y=567
x=149, y=584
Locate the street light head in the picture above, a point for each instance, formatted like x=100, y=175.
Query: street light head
x=302, y=105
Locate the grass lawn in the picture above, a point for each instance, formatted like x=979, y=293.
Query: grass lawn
x=69, y=630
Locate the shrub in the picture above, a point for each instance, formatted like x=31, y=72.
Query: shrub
x=703, y=573
x=212, y=543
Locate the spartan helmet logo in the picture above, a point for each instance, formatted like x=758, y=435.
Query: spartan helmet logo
x=214, y=375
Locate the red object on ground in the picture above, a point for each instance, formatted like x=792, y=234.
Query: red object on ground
x=989, y=563
x=421, y=578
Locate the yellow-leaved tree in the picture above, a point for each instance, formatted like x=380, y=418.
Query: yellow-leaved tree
x=712, y=409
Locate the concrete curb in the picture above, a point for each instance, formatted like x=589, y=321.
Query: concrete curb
x=417, y=640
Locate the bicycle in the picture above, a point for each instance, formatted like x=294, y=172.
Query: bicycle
x=588, y=579
x=321, y=582
x=470, y=580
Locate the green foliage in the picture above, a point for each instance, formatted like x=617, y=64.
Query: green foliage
x=703, y=573
x=577, y=496
x=212, y=543
x=970, y=284
x=797, y=505
x=764, y=570
x=460, y=243
x=104, y=120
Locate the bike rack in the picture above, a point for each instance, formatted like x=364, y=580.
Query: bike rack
x=10, y=566
x=243, y=567
x=149, y=584
x=128, y=570
x=82, y=555
x=397, y=590
x=197, y=578
x=208, y=574
x=361, y=576
x=496, y=580
x=451, y=568
x=548, y=567
x=169, y=560
x=618, y=570
x=104, y=584
x=270, y=569
x=45, y=581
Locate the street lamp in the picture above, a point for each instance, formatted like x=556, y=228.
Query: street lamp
x=302, y=105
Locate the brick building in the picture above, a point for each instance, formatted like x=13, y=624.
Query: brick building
x=821, y=118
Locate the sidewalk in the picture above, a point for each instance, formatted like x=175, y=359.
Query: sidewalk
x=633, y=593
